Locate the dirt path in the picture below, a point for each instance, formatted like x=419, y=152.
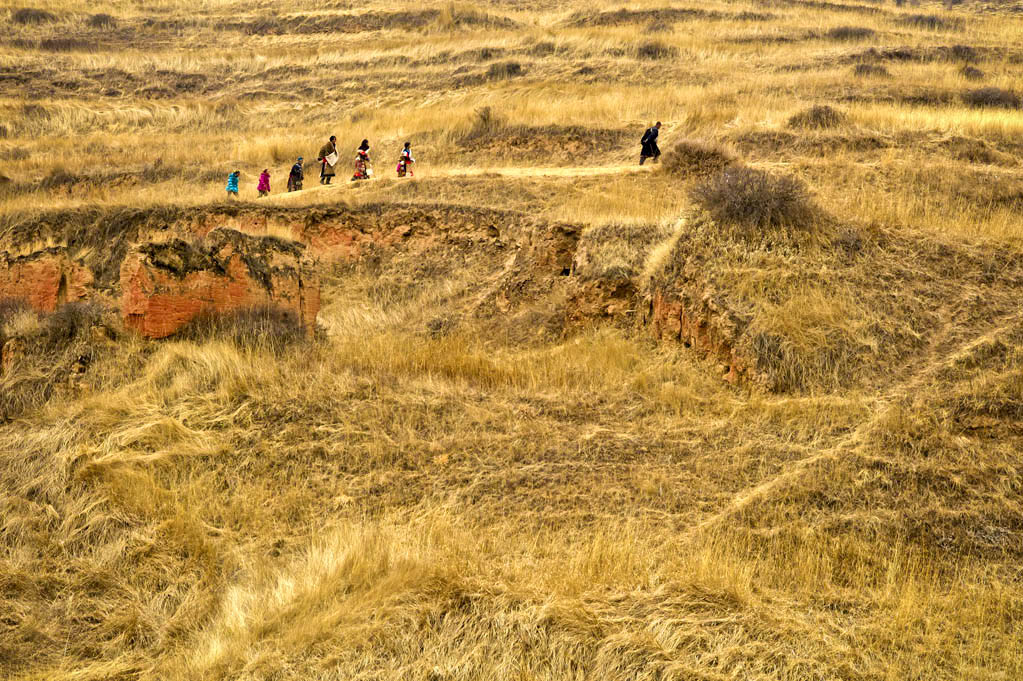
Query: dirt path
x=341, y=181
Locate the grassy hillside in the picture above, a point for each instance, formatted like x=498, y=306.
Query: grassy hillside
x=753, y=413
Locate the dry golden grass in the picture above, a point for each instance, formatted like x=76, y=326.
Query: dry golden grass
x=433, y=490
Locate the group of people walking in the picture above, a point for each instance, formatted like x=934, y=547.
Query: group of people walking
x=328, y=159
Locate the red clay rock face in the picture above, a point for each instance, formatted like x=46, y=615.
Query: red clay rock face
x=694, y=325
x=44, y=279
x=166, y=285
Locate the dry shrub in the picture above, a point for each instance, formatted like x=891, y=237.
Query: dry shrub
x=58, y=178
x=971, y=72
x=659, y=27
x=265, y=327
x=9, y=309
x=52, y=348
x=754, y=199
x=931, y=22
x=850, y=33
x=817, y=117
x=992, y=97
x=544, y=48
x=457, y=15
x=503, y=70
x=485, y=123
x=101, y=20
x=68, y=322
x=655, y=49
x=698, y=157
x=28, y=15
x=871, y=71
x=66, y=44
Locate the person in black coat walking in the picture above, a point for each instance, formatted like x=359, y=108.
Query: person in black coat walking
x=649, y=143
x=296, y=176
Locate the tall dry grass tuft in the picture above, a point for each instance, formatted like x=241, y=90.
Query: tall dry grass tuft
x=751, y=199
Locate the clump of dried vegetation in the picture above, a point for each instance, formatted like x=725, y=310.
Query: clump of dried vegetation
x=755, y=199
x=696, y=157
x=820, y=116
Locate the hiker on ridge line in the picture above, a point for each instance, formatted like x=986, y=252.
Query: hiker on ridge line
x=362, y=162
x=328, y=157
x=296, y=176
x=649, y=142
x=405, y=161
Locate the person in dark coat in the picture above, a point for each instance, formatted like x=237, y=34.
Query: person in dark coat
x=649, y=142
x=328, y=159
x=296, y=176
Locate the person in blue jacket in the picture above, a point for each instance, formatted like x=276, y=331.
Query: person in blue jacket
x=649, y=143
x=232, y=184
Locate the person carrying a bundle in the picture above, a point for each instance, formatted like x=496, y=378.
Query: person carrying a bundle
x=649, y=143
x=328, y=159
x=405, y=161
x=296, y=176
x=362, y=162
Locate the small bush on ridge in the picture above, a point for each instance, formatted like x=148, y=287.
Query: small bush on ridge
x=850, y=33
x=696, y=157
x=820, y=116
x=971, y=73
x=28, y=15
x=992, y=97
x=871, y=71
x=502, y=70
x=655, y=49
x=101, y=20
x=754, y=199
x=930, y=22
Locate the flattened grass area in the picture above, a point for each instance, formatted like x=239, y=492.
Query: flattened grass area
x=424, y=491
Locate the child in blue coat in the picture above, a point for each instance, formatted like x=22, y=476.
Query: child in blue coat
x=232, y=184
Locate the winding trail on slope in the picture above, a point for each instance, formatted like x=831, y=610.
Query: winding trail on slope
x=583, y=171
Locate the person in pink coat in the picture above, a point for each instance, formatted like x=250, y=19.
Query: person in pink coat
x=264, y=183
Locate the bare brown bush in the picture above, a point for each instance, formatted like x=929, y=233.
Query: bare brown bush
x=28, y=15
x=820, y=116
x=696, y=157
x=992, y=97
x=754, y=199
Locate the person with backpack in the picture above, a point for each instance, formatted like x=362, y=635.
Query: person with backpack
x=232, y=184
x=649, y=142
x=263, y=187
x=405, y=160
x=296, y=176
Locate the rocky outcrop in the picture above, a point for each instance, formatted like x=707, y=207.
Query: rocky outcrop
x=166, y=285
x=700, y=325
x=44, y=279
